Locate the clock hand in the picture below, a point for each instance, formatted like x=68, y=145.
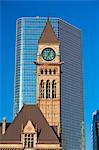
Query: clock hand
x=48, y=54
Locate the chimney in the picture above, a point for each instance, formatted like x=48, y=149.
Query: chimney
x=3, y=125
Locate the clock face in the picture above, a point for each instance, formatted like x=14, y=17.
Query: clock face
x=48, y=54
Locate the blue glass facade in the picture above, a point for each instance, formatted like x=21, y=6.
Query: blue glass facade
x=28, y=32
x=95, y=131
x=71, y=86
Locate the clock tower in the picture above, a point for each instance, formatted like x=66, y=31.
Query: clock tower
x=48, y=76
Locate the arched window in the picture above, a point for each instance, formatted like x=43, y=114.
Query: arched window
x=42, y=89
x=45, y=71
x=47, y=89
x=54, y=71
x=50, y=72
x=53, y=89
x=41, y=71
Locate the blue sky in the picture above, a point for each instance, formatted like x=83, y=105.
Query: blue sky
x=84, y=15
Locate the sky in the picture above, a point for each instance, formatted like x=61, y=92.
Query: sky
x=82, y=14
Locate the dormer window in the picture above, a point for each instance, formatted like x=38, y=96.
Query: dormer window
x=28, y=140
x=29, y=135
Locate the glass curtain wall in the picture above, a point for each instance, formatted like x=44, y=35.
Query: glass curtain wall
x=28, y=32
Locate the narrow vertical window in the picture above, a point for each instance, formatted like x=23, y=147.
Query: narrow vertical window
x=42, y=89
x=50, y=72
x=53, y=89
x=47, y=89
x=41, y=71
x=45, y=71
x=54, y=71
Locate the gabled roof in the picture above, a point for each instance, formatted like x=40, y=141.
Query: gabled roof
x=48, y=35
x=29, y=112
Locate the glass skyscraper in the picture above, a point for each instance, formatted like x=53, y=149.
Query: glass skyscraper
x=28, y=32
x=71, y=86
x=95, y=131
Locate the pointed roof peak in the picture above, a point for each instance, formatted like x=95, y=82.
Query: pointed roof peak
x=48, y=34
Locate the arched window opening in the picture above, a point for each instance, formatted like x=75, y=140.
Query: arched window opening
x=54, y=71
x=45, y=71
x=47, y=89
x=53, y=89
x=41, y=71
x=42, y=89
x=50, y=72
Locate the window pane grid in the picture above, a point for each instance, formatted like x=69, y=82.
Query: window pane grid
x=28, y=140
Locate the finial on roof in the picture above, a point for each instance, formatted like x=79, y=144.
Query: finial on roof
x=48, y=18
